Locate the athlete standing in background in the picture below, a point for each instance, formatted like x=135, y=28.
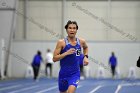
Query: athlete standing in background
x=68, y=51
x=36, y=64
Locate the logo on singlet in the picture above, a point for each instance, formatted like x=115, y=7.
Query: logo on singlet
x=76, y=82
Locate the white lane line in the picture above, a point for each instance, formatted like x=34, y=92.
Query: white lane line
x=14, y=83
x=5, y=88
x=48, y=89
x=23, y=89
x=118, y=89
x=131, y=84
x=125, y=85
x=95, y=89
x=8, y=84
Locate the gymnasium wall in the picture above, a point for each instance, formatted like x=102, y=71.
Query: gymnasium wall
x=127, y=53
x=7, y=22
x=101, y=20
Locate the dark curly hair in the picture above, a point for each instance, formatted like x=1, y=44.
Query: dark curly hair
x=71, y=22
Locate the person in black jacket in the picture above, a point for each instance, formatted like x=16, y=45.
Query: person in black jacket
x=138, y=62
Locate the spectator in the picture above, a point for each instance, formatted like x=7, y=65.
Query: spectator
x=36, y=64
x=49, y=63
x=113, y=63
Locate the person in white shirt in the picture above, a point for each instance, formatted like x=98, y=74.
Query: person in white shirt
x=49, y=63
